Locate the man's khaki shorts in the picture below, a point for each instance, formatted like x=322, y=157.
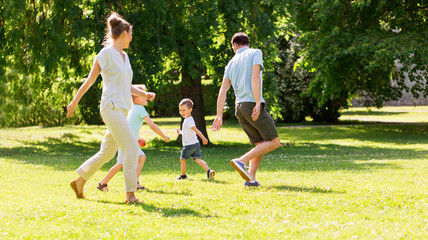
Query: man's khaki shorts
x=263, y=129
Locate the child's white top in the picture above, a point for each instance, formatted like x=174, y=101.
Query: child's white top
x=189, y=136
x=117, y=78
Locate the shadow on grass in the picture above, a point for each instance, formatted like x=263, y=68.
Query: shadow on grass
x=379, y=133
x=305, y=189
x=68, y=152
x=214, y=181
x=302, y=157
x=371, y=113
x=164, y=211
x=164, y=192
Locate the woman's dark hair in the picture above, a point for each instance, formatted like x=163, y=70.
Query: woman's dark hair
x=240, y=39
x=115, y=26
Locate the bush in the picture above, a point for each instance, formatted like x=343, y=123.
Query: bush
x=292, y=81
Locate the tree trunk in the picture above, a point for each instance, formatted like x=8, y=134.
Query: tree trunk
x=192, y=88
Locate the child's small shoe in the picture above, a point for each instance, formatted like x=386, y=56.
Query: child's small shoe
x=182, y=177
x=210, y=174
x=102, y=187
x=140, y=187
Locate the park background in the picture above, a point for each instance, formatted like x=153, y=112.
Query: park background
x=318, y=55
x=339, y=173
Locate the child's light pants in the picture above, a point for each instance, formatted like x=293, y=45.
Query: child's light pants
x=118, y=134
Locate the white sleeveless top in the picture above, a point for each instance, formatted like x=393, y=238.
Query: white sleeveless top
x=117, y=78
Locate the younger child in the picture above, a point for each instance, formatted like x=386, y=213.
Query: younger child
x=136, y=116
x=191, y=145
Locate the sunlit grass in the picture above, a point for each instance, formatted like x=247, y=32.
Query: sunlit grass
x=332, y=182
x=387, y=114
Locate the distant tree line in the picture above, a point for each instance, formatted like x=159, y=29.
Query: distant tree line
x=317, y=54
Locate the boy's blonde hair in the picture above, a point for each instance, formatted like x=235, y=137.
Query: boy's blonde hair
x=186, y=102
x=139, y=86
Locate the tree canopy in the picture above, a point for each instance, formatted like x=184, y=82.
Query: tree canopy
x=348, y=48
x=354, y=47
x=50, y=45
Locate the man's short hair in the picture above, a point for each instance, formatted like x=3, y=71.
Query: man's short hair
x=240, y=39
x=186, y=102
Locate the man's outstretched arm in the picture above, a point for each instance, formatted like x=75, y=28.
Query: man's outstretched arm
x=221, y=99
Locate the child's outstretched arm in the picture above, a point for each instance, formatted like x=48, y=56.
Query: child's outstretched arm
x=155, y=128
x=204, y=139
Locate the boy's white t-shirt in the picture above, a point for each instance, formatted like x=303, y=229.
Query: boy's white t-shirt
x=117, y=78
x=189, y=136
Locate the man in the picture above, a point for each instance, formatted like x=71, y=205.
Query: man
x=244, y=74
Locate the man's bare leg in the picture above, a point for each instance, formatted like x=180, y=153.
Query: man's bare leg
x=254, y=165
x=260, y=149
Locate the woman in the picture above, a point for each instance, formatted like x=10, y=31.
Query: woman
x=113, y=64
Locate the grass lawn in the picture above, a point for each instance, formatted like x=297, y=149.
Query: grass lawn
x=362, y=181
x=387, y=114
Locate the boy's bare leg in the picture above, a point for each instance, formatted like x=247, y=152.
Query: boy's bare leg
x=183, y=166
x=203, y=164
x=113, y=171
x=141, y=161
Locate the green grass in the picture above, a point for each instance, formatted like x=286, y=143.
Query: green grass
x=365, y=181
x=387, y=114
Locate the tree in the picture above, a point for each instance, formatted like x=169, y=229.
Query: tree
x=50, y=45
x=193, y=38
x=45, y=46
x=292, y=82
x=353, y=46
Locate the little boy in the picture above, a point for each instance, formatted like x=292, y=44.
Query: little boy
x=191, y=145
x=136, y=116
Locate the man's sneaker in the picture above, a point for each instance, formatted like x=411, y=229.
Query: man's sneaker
x=182, y=177
x=240, y=167
x=210, y=174
x=250, y=184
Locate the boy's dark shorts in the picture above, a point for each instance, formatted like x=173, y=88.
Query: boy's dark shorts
x=193, y=150
x=263, y=129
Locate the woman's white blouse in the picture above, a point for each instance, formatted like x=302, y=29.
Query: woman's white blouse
x=117, y=78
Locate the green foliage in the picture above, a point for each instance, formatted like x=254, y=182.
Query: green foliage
x=292, y=82
x=46, y=48
x=176, y=45
x=353, y=45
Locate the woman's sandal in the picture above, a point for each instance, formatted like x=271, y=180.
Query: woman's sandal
x=102, y=187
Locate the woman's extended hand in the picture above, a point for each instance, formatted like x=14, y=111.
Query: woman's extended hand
x=70, y=109
x=151, y=96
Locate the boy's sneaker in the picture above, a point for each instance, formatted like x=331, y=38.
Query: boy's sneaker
x=252, y=184
x=210, y=174
x=182, y=177
x=240, y=167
